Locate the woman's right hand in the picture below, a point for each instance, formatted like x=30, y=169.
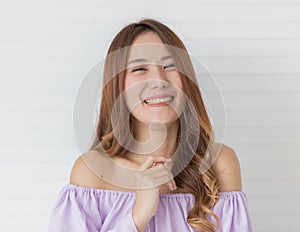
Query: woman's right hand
x=151, y=175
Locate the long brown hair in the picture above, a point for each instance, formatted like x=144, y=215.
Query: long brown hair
x=204, y=186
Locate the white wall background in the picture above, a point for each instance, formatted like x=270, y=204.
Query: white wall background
x=252, y=48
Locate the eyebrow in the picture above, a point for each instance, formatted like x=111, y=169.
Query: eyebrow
x=144, y=60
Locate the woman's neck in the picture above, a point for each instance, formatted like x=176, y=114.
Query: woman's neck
x=154, y=139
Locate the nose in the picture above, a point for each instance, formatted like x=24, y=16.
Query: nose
x=157, y=78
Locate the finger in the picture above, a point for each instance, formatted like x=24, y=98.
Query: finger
x=163, y=176
x=161, y=180
x=154, y=170
x=151, y=159
x=159, y=163
x=144, y=175
x=168, y=165
x=158, y=178
x=174, y=184
x=170, y=185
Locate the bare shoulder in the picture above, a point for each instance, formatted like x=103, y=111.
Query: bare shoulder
x=227, y=169
x=82, y=175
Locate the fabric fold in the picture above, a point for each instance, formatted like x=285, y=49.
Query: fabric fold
x=84, y=209
x=77, y=210
x=233, y=212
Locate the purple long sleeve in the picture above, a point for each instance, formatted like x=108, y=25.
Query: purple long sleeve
x=83, y=209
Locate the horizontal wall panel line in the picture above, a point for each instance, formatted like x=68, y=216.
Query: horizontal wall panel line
x=206, y=90
x=75, y=4
x=18, y=40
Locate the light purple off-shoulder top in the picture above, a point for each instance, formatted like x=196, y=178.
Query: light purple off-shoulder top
x=85, y=209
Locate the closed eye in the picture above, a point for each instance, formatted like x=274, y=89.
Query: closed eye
x=170, y=66
x=143, y=69
x=139, y=69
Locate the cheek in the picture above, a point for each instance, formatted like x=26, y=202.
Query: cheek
x=177, y=82
x=126, y=93
x=131, y=83
x=127, y=83
x=130, y=86
x=132, y=93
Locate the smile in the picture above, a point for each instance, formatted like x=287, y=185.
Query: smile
x=159, y=100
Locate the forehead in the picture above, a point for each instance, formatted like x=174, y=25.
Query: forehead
x=147, y=37
x=149, y=52
x=148, y=46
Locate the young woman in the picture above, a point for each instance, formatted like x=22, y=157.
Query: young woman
x=159, y=176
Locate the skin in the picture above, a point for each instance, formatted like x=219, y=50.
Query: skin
x=147, y=82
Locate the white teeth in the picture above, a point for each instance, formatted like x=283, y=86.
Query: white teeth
x=158, y=100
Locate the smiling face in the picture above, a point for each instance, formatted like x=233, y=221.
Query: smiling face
x=153, y=86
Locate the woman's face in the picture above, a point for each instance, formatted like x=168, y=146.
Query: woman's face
x=153, y=86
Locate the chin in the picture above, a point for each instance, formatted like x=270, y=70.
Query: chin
x=166, y=121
